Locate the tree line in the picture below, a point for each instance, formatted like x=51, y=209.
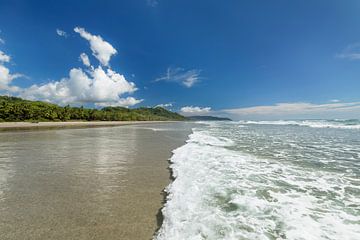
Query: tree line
x=17, y=109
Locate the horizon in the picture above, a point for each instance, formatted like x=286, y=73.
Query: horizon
x=242, y=60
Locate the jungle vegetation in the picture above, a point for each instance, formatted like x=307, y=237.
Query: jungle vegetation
x=17, y=109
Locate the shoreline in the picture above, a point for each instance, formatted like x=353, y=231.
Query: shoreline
x=13, y=126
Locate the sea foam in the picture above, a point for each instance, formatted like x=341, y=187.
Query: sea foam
x=222, y=192
x=342, y=124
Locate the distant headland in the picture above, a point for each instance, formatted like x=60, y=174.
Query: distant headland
x=208, y=118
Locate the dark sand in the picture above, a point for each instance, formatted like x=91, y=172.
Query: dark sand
x=93, y=183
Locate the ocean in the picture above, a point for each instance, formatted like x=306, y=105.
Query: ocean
x=266, y=180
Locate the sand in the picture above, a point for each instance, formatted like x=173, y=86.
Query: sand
x=88, y=183
x=70, y=124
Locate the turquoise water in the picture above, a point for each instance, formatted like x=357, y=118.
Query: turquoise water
x=266, y=180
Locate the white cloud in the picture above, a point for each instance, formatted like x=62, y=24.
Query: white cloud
x=335, y=100
x=61, y=33
x=85, y=59
x=6, y=77
x=152, y=3
x=191, y=110
x=4, y=57
x=164, y=105
x=297, y=110
x=122, y=102
x=351, y=52
x=95, y=85
x=101, y=49
x=2, y=41
x=101, y=85
x=187, y=78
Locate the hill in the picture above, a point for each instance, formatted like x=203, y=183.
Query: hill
x=17, y=109
x=208, y=118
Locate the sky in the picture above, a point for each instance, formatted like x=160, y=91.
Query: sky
x=270, y=59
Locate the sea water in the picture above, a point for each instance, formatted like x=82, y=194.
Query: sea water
x=266, y=180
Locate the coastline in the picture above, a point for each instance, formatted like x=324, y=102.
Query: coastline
x=10, y=126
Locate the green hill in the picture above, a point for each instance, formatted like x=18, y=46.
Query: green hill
x=208, y=118
x=17, y=109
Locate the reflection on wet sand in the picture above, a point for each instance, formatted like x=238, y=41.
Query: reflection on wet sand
x=96, y=183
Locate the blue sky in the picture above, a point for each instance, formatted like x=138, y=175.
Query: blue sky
x=295, y=58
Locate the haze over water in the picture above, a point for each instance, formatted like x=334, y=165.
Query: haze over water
x=296, y=180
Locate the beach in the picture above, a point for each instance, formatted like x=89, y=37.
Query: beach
x=9, y=126
x=86, y=183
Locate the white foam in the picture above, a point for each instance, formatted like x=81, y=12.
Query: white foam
x=159, y=129
x=308, y=123
x=202, y=138
x=224, y=194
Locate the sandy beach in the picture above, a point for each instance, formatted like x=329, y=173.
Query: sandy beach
x=6, y=126
x=87, y=183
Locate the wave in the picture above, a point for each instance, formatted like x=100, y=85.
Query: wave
x=221, y=193
x=185, y=216
x=341, y=124
x=201, y=138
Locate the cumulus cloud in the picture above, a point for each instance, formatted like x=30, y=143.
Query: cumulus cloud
x=185, y=77
x=351, y=52
x=96, y=85
x=297, y=110
x=61, y=33
x=122, y=102
x=6, y=77
x=191, y=110
x=85, y=59
x=101, y=49
x=99, y=85
x=164, y=105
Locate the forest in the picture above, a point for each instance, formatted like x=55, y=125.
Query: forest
x=16, y=109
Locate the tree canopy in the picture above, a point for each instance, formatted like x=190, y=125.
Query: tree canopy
x=17, y=109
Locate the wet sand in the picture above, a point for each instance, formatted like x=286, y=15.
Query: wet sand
x=9, y=126
x=90, y=183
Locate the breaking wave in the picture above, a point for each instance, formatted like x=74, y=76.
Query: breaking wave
x=240, y=183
